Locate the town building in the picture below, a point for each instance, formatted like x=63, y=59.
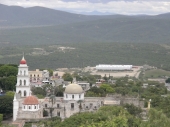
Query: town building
x=28, y=107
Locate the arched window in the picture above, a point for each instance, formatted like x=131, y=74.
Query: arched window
x=25, y=93
x=19, y=92
x=24, y=72
x=34, y=77
x=20, y=72
x=58, y=113
x=46, y=105
x=31, y=77
x=20, y=82
x=38, y=77
x=24, y=82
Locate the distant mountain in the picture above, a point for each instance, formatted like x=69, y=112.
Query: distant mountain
x=58, y=27
x=18, y=16
x=97, y=13
x=165, y=15
x=120, y=29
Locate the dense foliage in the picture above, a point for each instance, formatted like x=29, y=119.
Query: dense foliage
x=6, y=106
x=1, y=118
x=89, y=54
x=107, y=115
x=8, y=77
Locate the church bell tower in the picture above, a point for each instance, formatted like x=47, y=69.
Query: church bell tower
x=23, y=82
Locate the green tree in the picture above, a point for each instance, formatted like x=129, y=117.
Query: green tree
x=52, y=99
x=80, y=105
x=38, y=91
x=67, y=77
x=10, y=93
x=6, y=106
x=7, y=70
x=1, y=118
x=107, y=88
x=133, y=110
x=50, y=72
x=167, y=80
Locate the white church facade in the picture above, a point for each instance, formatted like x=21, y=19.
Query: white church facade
x=29, y=107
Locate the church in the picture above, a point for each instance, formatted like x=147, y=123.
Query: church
x=28, y=107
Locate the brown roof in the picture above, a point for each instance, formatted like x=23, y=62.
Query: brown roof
x=30, y=100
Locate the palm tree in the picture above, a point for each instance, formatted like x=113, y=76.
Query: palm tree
x=52, y=99
x=80, y=105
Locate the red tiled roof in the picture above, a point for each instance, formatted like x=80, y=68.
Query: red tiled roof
x=30, y=100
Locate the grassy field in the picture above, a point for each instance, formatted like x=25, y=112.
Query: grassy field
x=156, y=73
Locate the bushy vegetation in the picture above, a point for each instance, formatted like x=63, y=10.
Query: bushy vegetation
x=110, y=116
x=156, y=73
x=8, y=77
x=90, y=54
x=6, y=106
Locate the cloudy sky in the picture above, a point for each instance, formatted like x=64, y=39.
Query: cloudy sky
x=129, y=7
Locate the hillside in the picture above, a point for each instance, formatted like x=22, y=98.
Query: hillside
x=118, y=29
x=39, y=25
x=37, y=16
x=87, y=54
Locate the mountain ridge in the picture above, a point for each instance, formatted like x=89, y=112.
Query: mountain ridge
x=65, y=27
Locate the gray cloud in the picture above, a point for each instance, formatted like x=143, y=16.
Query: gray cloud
x=129, y=7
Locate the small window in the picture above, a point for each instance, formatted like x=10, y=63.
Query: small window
x=24, y=82
x=20, y=92
x=66, y=96
x=46, y=105
x=34, y=107
x=20, y=83
x=25, y=93
x=72, y=105
x=58, y=105
x=79, y=95
x=29, y=107
x=24, y=107
x=72, y=96
x=24, y=72
x=58, y=113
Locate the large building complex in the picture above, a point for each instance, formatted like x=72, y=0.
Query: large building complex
x=106, y=67
x=28, y=107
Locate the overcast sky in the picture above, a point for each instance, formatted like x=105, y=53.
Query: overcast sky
x=130, y=7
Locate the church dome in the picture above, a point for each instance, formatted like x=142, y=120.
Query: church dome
x=30, y=100
x=73, y=89
x=23, y=61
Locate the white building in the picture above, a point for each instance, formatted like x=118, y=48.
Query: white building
x=29, y=107
x=74, y=92
x=105, y=67
x=24, y=103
